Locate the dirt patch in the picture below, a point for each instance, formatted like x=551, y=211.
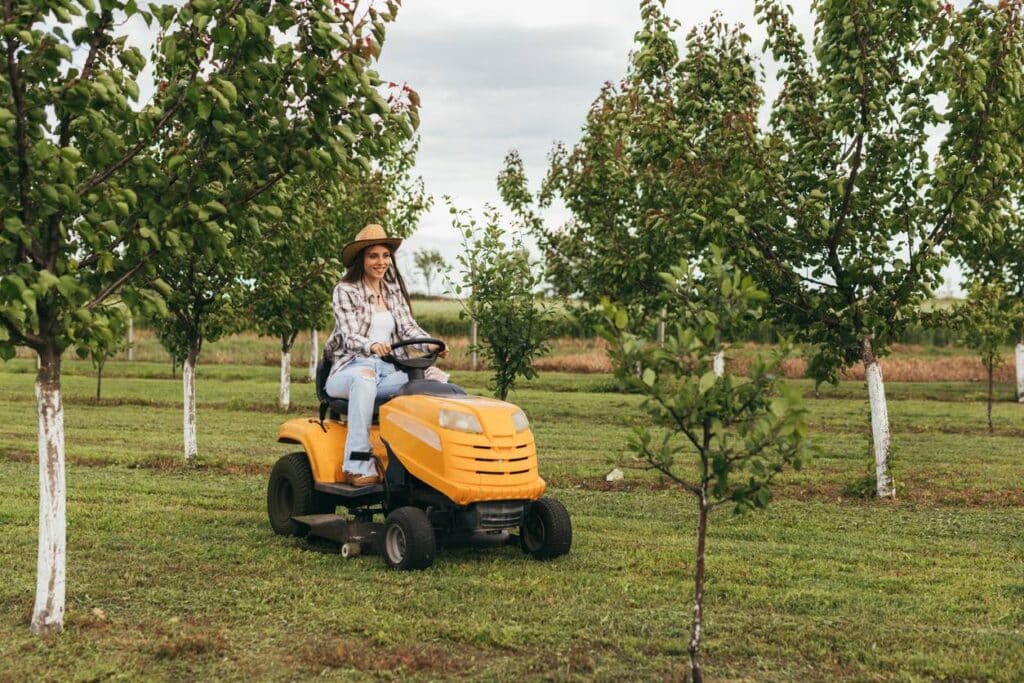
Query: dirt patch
x=575, y=663
x=117, y=402
x=968, y=498
x=600, y=484
x=901, y=427
x=171, y=463
x=157, y=463
x=365, y=656
x=188, y=644
x=18, y=455
x=835, y=491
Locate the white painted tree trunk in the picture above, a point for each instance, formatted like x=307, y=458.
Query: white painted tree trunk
x=314, y=354
x=285, y=398
x=131, y=336
x=879, y=421
x=718, y=364
x=1019, y=353
x=188, y=379
x=661, y=332
x=48, y=613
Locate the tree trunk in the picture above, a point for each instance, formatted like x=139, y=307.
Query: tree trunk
x=661, y=331
x=314, y=354
x=285, y=397
x=879, y=420
x=1019, y=353
x=188, y=377
x=48, y=613
x=718, y=364
x=698, y=590
x=131, y=336
x=99, y=379
x=991, y=368
x=472, y=345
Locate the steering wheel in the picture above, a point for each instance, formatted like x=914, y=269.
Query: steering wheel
x=420, y=363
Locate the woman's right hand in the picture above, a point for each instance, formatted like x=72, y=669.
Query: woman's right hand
x=380, y=349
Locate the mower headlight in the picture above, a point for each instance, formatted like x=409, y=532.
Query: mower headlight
x=520, y=422
x=459, y=421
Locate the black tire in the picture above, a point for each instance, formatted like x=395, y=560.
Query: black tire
x=409, y=541
x=546, y=531
x=290, y=493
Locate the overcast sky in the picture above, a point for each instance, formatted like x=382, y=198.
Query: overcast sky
x=495, y=76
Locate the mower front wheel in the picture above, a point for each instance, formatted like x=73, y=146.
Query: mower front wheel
x=546, y=531
x=409, y=541
x=290, y=493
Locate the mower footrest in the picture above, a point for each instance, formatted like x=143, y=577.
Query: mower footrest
x=347, y=490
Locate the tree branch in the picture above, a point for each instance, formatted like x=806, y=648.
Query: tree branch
x=263, y=187
x=135, y=149
x=653, y=462
x=116, y=284
x=18, y=335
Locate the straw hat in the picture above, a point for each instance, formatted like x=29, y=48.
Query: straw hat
x=370, y=235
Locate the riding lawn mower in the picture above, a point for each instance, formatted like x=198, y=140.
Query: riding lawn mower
x=456, y=470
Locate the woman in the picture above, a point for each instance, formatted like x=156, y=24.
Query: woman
x=371, y=311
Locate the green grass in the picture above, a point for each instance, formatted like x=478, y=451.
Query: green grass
x=174, y=574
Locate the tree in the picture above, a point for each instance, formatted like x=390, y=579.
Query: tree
x=108, y=342
x=500, y=283
x=303, y=89
x=204, y=303
x=743, y=432
x=657, y=170
x=996, y=258
x=94, y=188
x=430, y=263
x=855, y=208
x=985, y=321
x=296, y=263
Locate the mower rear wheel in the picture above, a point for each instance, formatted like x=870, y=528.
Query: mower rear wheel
x=290, y=493
x=409, y=541
x=546, y=531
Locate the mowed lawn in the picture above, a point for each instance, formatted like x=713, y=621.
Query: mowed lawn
x=174, y=573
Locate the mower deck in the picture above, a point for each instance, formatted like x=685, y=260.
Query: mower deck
x=355, y=537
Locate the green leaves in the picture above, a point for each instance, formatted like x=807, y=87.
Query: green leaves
x=104, y=196
x=294, y=263
x=858, y=206
x=502, y=281
x=743, y=432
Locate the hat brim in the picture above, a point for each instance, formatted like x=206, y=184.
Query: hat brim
x=352, y=249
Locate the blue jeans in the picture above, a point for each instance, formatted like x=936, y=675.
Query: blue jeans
x=361, y=382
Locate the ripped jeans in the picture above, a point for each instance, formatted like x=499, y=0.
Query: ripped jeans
x=362, y=381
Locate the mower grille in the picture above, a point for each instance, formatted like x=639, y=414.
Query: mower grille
x=500, y=514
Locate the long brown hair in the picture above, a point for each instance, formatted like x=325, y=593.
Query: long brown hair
x=355, y=273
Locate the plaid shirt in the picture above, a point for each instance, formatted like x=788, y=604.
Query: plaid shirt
x=353, y=310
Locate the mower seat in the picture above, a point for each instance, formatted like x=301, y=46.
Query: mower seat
x=430, y=387
x=336, y=407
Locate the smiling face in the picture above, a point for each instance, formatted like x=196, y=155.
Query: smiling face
x=376, y=261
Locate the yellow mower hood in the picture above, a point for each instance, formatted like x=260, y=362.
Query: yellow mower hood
x=470, y=448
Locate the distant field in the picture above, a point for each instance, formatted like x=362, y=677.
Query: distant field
x=907, y=363
x=175, y=575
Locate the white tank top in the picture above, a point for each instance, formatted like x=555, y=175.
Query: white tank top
x=382, y=326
